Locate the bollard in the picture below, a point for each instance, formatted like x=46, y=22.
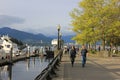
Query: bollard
x=11, y=52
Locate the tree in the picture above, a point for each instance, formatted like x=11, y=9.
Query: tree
x=96, y=20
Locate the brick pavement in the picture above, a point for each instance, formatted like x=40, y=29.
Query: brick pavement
x=96, y=69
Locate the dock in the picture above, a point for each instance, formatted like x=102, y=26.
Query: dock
x=97, y=68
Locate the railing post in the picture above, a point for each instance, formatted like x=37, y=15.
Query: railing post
x=48, y=77
x=11, y=53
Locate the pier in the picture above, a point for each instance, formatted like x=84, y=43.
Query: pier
x=96, y=69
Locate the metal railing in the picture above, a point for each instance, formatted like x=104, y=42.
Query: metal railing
x=47, y=73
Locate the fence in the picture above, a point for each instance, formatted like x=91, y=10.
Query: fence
x=47, y=73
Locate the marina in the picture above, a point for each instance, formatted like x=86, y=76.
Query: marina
x=26, y=69
x=60, y=40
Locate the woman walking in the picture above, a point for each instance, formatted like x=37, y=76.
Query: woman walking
x=72, y=55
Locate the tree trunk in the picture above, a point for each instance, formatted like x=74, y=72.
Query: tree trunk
x=103, y=44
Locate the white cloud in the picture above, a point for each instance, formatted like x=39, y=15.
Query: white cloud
x=41, y=16
x=6, y=20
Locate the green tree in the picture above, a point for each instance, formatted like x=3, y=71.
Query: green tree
x=96, y=20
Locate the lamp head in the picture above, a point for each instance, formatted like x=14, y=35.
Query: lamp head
x=58, y=27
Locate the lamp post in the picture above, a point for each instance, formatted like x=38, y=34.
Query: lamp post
x=60, y=40
x=28, y=51
x=58, y=28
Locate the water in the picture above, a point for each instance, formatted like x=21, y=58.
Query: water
x=24, y=70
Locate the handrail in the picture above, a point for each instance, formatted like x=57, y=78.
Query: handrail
x=47, y=72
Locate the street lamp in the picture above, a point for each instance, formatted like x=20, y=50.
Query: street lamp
x=60, y=40
x=58, y=28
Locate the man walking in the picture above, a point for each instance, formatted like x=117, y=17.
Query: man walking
x=84, y=52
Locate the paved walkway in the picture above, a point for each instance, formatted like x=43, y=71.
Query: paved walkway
x=96, y=69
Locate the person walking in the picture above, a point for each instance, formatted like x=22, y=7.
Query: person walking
x=72, y=55
x=84, y=52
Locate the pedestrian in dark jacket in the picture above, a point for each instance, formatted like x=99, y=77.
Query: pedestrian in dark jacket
x=72, y=55
x=84, y=52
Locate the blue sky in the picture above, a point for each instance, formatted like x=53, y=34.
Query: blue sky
x=37, y=16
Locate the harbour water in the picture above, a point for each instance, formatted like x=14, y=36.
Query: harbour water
x=24, y=70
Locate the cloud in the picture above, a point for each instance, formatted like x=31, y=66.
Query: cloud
x=51, y=31
x=6, y=20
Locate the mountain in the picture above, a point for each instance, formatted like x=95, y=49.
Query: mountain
x=25, y=36
x=68, y=39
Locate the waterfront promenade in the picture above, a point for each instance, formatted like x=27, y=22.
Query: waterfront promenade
x=96, y=69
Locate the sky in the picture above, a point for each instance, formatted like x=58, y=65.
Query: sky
x=37, y=16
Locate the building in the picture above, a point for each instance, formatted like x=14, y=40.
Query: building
x=54, y=42
x=5, y=46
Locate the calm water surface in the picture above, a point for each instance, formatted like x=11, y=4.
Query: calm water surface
x=24, y=70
